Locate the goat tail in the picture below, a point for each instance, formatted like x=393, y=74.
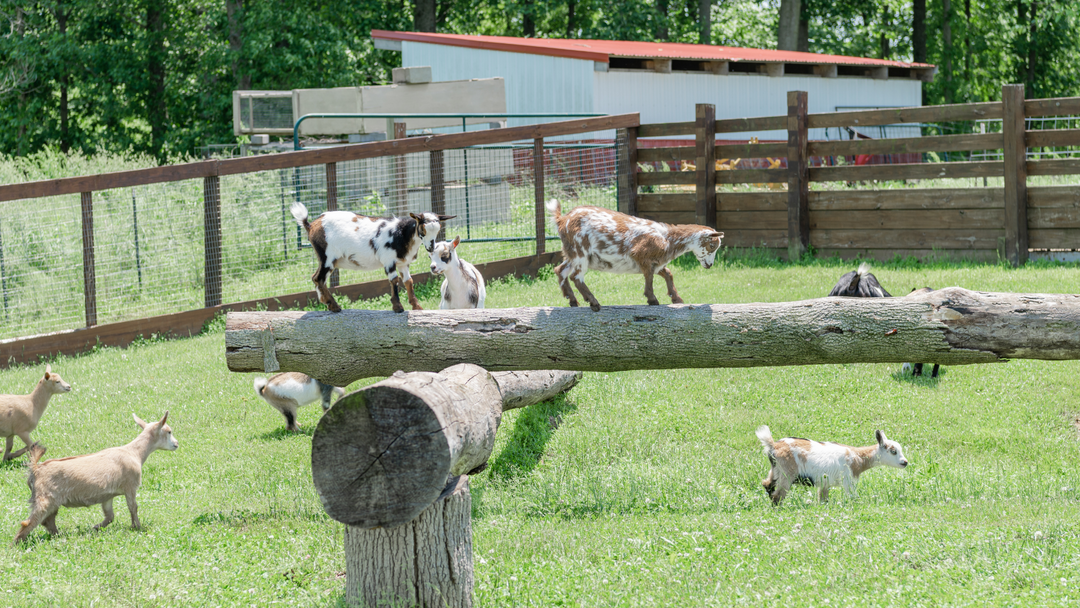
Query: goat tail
x=36, y=452
x=764, y=435
x=554, y=208
x=300, y=214
x=260, y=384
x=864, y=269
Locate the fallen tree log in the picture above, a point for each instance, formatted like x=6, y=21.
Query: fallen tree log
x=951, y=326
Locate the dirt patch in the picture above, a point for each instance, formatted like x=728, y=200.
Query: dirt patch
x=1074, y=419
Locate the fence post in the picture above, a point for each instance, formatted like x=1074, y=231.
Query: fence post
x=1015, y=159
x=436, y=168
x=212, y=239
x=401, y=191
x=628, y=174
x=331, y=205
x=798, y=176
x=705, y=131
x=89, y=276
x=538, y=183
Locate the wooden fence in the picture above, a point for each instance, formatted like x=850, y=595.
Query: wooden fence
x=977, y=223
x=22, y=350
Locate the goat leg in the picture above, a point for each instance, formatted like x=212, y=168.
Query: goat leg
x=26, y=439
x=319, y=278
x=670, y=279
x=395, y=299
x=934, y=372
x=133, y=507
x=107, y=509
x=37, y=515
x=564, y=284
x=412, y=296
x=650, y=297
x=7, y=449
x=585, y=293
x=50, y=523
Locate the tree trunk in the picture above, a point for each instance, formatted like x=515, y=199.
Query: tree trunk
x=885, y=51
x=571, y=18
x=424, y=16
x=234, y=13
x=787, y=38
x=950, y=326
x=705, y=21
x=155, y=68
x=918, y=31
x=382, y=454
x=426, y=562
x=803, y=45
x=662, y=25
x=65, y=134
x=946, y=50
x=1033, y=47
x=528, y=22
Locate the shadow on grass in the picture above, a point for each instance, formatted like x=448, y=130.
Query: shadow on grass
x=281, y=433
x=532, y=430
x=238, y=518
x=923, y=380
x=15, y=464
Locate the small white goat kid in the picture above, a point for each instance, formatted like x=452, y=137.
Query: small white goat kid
x=822, y=465
x=20, y=414
x=289, y=390
x=93, y=479
x=463, y=286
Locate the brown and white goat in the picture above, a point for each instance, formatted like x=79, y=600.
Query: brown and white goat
x=463, y=286
x=343, y=239
x=602, y=239
x=822, y=465
x=288, y=391
x=93, y=479
x=20, y=414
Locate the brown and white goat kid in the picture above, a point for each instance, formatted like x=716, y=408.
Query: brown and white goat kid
x=343, y=239
x=463, y=286
x=20, y=414
x=82, y=481
x=602, y=239
x=823, y=465
x=288, y=391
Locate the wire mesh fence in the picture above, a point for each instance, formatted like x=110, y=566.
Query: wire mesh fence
x=155, y=245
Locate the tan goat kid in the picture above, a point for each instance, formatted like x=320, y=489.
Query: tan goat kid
x=82, y=481
x=20, y=414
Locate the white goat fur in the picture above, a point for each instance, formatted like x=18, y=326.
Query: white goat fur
x=463, y=286
x=823, y=465
x=602, y=239
x=288, y=391
x=20, y=414
x=82, y=481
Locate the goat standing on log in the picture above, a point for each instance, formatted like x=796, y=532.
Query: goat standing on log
x=862, y=283
x=823, y=465
x=343, y=239
x=463, y=286
x=594, y=237
x=93, y=479
x=20, y=414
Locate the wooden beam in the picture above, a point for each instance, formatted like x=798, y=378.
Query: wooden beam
x=331, y=205
x=437, y=176
x=907, y=171
x=827, y=70
x=1015, y=166
x=628, y=183
x=212, y=240
x=718, y=68
x=662, y=66
x=866, y=118
x=798, y=176
x=705, y=144
x=774, y=70
x=89, y=274
x=949, y=326
x=538, y=194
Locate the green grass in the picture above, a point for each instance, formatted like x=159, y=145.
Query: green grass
x=635, y=489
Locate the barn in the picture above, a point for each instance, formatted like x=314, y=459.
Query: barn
x=662, y=80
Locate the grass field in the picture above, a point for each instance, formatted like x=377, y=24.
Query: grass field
x=635, y=489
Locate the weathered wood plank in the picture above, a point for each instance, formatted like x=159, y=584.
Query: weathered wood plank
x=667, y=129
x=913, y=198
x=671, y=217
x=752, y=176
x=798, y=211
x=1054, y=217
x=1054, y=197
x=1052, y=137
x=906, y=239
x=667, y=201
x=907, y=219
x=753, y=220
x=766, y=150
x=866, y=118
x=907, y=171
x=1058, y=166
x=775, y=200
x=668, y=178
x=1059, y=106
x=705, y=146
x=1014, y=164
x=675, y=154
x=1054, y=238
x=776, y=239
x=749, y=125
x=908, y=145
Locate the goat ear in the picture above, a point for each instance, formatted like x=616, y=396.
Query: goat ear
x=881, y=439
x=443, y=218
x=714, y=235
x=139, y=421
x=419, y=220
x=165, y=417
x=457, y=240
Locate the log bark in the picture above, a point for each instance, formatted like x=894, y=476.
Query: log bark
x=951, y=326
x=383, y=454
x=426, y=562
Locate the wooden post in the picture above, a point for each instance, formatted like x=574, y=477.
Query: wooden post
x=436, y=167
x=89, y=276
x=798, y=176
x=1015, y=159
x=401, y=190
x=705, y=131
x=331, y=205
x=212, y=239
x=628, y=172
x=538, y=191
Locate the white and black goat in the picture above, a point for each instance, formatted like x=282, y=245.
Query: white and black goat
x=602, y=239
x=287, y=391
x=862, y=283
x=822, y=465
x=343, y=239
x=463, y=286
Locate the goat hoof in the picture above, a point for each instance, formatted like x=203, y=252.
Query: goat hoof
x=595, y=307
x=573, y=304
x=399, y=308
x=676, y=300
x=654, y=302
x=333, y=307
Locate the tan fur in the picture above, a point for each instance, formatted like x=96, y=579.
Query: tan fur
x=20, y=414
x=82, y=481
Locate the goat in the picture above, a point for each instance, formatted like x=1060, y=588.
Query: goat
x=288, y=391
x=463, y=286
x=343, y=239
x=593, y=237
x=81, y=481
x=862, y=283
x=822, y=465
x=20, y=414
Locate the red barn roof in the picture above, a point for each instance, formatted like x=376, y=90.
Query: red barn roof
x=604, y=50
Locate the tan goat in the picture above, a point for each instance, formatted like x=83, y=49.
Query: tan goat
x=93, y=479
x=19, y=414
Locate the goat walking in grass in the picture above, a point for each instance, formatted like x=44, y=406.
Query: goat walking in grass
x=823, y=465
x=288, y=391
x=93, y=479
x=20, y=414
x=343, y=239
x=602, y=239
x=463, y=286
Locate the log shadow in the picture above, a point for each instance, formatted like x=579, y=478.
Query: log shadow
x=923, y=380
x=280, y=433
x=532, y=430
